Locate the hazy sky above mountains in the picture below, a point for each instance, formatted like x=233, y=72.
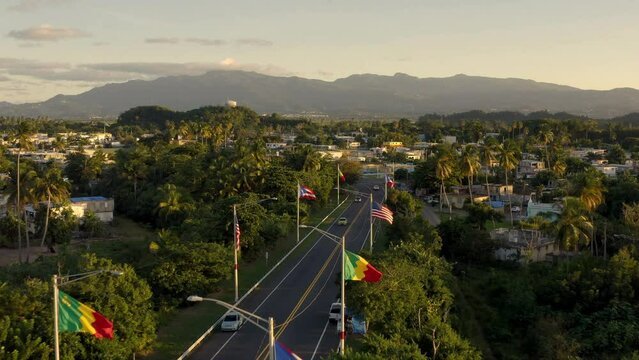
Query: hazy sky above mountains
x=69, y=46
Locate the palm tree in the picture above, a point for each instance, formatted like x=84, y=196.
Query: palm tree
x=591, y=197
x=469, y=165
x=559, y=168
x=52, y=187
x=21, y=136
x=487, y=157
x=508, y=161
x=573, y=227
x=444, y=168
x=171, y=203
x=546, y=136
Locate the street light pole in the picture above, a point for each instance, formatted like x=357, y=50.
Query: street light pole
x=370, y=214
x=342, y=333
x=235, y=246
x=250, y=317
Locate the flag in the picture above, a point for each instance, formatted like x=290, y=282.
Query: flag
x=356, y=268
x=306, y=193
x=389, y=181
x=237, y=232
x=382, y=212
x=284, y=353
x=74, y=316
x=342, y=178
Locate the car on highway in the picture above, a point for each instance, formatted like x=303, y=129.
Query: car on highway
x=335, y=311
x=358, y=199
x=232, y=322
x=375, y=187
x=342, y=221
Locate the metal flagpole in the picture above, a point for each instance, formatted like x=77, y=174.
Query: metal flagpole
x=56, y=330
x=385, y=185
x=298, y=212
x=342, y=334
x=338, y=179
x=271, y=339
x=371, y=218
x=235, y=244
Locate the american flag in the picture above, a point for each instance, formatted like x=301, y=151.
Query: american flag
x=390, y=182
x=306, y=193
x=237, y=233
x=382, y=212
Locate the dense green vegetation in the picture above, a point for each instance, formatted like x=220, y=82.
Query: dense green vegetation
x=443, y=294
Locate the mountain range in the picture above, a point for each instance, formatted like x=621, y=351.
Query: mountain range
x=363, y=95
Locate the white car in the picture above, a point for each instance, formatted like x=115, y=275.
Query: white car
x=375, y=187
x=232, y=322
x=516, y=209
x=358, y=199
x=335, y=311
x=342, y=221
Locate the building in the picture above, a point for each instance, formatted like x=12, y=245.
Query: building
x=553, y=210
x=583, y=153
x=523, y=245
x=450, y=139
x=392, y=144
x=276, y=145
x=529, y=168
x=102, y=207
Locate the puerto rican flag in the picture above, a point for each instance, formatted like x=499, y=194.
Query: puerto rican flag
x=306, y=193
x=284, y=353
x=382, y=212
x=389, y=181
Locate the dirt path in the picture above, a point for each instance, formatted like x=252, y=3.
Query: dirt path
x=10, y=256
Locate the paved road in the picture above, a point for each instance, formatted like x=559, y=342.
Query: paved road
x=298, y=296
x=430, y=215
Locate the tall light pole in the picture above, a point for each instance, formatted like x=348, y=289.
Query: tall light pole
x=250, y=317
x=236, y=242
x=340, y=240
x=64, y=280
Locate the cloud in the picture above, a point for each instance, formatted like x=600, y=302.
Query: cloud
x=32, y=5
x=101, y=73
x=100, y=43
x=4, y=78
x=254, y=42
x=162, y=40
x=228, y=62
x=46, y=33
x=206, y=42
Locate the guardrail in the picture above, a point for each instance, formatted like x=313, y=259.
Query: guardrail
x=199, y=340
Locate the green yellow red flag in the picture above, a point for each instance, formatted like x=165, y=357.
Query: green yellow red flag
x=74, y=316
x=356, y=268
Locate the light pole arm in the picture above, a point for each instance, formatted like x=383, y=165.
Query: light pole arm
x=64, y=280
x=336, y=239
x=355, y=192
x=248, y=315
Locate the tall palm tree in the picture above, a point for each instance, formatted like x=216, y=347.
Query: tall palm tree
x=21, y=137
x=591, y=197
x=171, y=203
x=508, y=161
x=559, y=168
x=52, y=187
x=487, y=157
x=469, y=166
x=444, y=169
x=546, y=136
x=573, y=227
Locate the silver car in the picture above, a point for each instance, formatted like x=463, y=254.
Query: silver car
x=232, y=322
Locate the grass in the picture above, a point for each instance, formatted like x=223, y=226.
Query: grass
x=182, y=327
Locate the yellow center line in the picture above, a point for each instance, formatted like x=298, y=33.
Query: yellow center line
x=263, y=354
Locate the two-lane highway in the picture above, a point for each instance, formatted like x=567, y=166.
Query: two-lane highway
x=298, y=296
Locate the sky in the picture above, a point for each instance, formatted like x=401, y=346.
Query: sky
x=48, y=47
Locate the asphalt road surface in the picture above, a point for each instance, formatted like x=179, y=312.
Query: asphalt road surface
x=298, y=295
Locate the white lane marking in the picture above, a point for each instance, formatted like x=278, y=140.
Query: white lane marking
x=280, y=283
x=320, y=339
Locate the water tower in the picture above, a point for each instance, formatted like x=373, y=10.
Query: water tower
x=231, y=103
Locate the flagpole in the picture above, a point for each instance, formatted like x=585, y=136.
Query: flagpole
x=385, y=185
x=56, y=330
x=235, y=251
x=342, y=334
x=371, y=218
x=338, y=184
x=298, y=212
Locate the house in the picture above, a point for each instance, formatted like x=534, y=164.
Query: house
x=529, y=168
x=553, y=210
x=353, y=145
x=275, y=145
x=450, y=139
x=523, y=245
x=612, y=170
x=102, y=207
x=392, y=144
x=583, y=153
